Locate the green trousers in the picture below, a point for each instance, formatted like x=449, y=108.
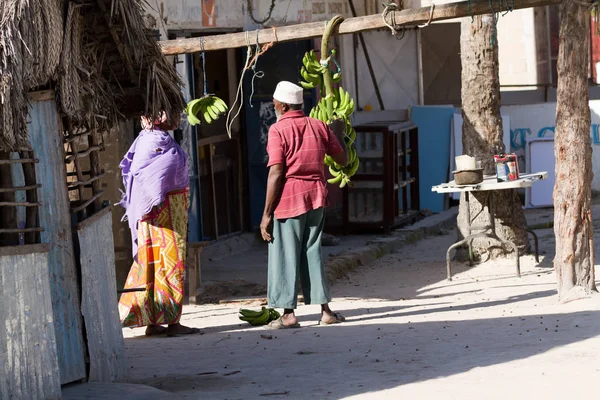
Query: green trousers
x=295, y=253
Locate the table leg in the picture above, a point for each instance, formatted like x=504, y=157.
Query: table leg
x=535, y=240
x=469, y=231
x=491, y=235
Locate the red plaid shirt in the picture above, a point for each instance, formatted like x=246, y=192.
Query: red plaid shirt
x=300, y=144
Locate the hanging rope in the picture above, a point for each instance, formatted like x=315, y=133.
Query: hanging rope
x=430, y=17
x=203, y=55
x=239, y=96
x=251, y=12
x=254, y=62
x=390, y=9
x=252, y=54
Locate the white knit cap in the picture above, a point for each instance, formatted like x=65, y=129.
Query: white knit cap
x=288, y=93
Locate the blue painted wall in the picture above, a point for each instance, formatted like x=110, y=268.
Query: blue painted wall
x=434, y=152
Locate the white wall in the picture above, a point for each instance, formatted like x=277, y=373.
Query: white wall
x=197, y=15
x=538, y=120
x=396, y=67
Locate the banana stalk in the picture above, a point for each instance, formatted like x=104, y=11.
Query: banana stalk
x=327, y=80
x=334, y=103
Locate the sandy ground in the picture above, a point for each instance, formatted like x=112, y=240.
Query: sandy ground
x=410, y=334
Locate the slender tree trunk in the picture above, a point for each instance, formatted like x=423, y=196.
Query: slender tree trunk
x=573, y=225
x=482, y=137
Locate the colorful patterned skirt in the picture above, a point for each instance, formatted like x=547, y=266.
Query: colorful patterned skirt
x=160, y=266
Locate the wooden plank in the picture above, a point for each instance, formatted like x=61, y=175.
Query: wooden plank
x=95, y=143
x=19, y=161
x=42, y=95
x=28, y=357
x=20, y=188
x=45, y=134
x=19, y=204
x=21, y=230
x=23, y=250
x=99, y=304
x=87, y=202
x=31, y=213
x=311, y=30
x=90, y=220
x=72, y=156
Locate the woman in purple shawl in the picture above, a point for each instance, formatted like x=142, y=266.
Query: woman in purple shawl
x=155, y=177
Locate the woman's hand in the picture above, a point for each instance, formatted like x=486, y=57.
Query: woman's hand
x=266, y=228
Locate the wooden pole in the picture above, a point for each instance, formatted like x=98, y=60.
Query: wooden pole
x=311, y=30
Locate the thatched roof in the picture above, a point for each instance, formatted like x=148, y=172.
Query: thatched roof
x=98, y=55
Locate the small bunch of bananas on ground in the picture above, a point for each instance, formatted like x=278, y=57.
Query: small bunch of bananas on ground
x=312, y=71
x=258, y=318
x=209, y=107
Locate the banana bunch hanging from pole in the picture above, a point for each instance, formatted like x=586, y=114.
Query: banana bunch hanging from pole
x=209, y=107
x=335, y=103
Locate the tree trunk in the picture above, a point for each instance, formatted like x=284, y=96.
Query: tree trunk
x=482, y=138
x=573, y=225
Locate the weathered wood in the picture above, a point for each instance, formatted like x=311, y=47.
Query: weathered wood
x=28, y=357
x=22, y=230
x=19, y=161
x=8, y=216
x=23, y=250
x=87, y=202
x=71, y=156
x=573, y=224
x=311, y=30
x=42, y=95
x=80, y=135
x=92, y=219
x=99, y=299
x=45, y=133
x=482, y=138
x=75, y=161
x=95, y=168
x=86, y=183
x=31, y=214
x=20, y=188
x=19, y=204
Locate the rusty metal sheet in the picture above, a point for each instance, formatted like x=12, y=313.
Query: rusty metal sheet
x=28, y=358
x=46, y=140
x=105, y=343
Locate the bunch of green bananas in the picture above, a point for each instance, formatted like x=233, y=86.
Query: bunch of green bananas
x=208, y=106
x=258, y=318
x=343, y=107
x=312, y=71
x=341, y=174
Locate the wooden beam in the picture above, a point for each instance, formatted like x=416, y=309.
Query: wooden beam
x=311, y=30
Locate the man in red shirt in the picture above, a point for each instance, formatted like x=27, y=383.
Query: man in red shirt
x=293, y=217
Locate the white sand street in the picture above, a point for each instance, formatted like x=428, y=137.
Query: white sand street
x=410, y=334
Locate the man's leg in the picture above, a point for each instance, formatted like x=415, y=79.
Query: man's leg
x=284, y=259
x=315, y=286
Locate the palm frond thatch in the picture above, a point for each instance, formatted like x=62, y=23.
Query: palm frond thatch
x=103, y=61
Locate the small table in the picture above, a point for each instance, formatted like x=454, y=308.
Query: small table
x=489, y=184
